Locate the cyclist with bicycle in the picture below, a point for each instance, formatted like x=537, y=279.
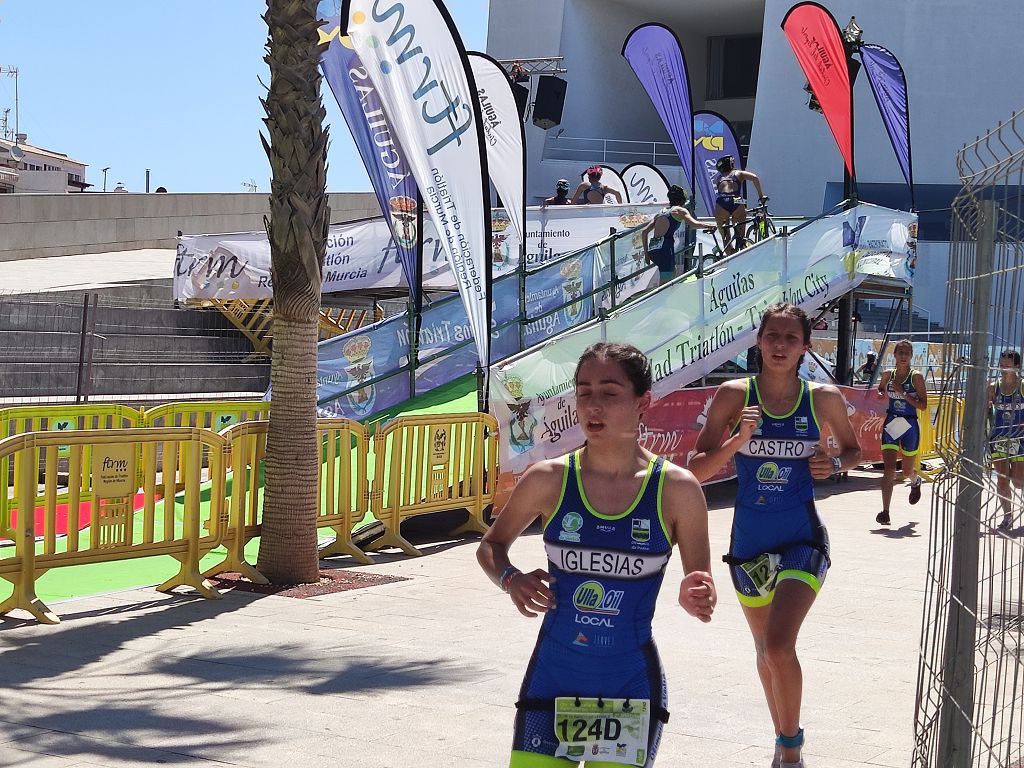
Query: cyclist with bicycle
x=730, y=207
x=661, y=250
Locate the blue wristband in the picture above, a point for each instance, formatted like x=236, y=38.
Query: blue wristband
x=506, y=577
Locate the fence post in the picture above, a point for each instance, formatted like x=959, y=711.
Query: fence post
x=521, y=279
x=85, y=342
x=613, y=279
x=957, y=707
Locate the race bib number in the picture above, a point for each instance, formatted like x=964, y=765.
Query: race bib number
x=897, y=428
x=610, y=730
x=762, y=570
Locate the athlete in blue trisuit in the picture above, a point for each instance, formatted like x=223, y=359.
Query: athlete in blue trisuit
x=779, y=552
x=901, y=432
x=1006, y=398
x=594, y=690
x=730, y=207
x=661, y=250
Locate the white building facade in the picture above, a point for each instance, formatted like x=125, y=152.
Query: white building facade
x=960, y=60
x=26, y=168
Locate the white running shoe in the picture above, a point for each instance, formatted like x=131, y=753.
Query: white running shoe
x=798, y=764
x=777, y=761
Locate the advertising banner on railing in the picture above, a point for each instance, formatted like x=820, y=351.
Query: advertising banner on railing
x=814, y=36
x=633, y=273
x=656, y=57
x=364, y=255
x=378, y=147
x=444, y=355
x=564, y=286
x=889, y=84
x=356, y=359
x=417, y=62
x=713, y=138
x=504, y=139
x=645, y=184
x=688, y=328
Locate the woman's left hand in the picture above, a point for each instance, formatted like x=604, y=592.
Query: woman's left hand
x=697, y=595
x=821, y=465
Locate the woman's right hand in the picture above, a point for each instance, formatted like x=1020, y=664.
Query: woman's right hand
x=748, y=420
x=531, y=592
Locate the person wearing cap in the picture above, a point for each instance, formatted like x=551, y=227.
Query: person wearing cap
x=592, y=191
x=561, y=194
x=661, y=250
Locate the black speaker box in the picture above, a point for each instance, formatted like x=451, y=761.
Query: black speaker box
x=522, y=95
x=547, y=104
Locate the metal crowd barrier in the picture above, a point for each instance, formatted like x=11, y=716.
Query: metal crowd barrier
x=342, y=491
x=136, y=492
x=16, y=420
x=107, y=464
x=432, y=463
x=940, y=437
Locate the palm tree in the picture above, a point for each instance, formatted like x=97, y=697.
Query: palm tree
x=297, y=228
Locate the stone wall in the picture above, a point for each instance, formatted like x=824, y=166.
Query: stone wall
x=33, y=226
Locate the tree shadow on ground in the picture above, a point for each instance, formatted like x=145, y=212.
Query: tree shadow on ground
x=117, y=732
x=98, y=718
x=35, y=652
x=324, y=671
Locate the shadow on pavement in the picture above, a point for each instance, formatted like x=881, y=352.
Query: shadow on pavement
x=905, y=531
x=102, y=721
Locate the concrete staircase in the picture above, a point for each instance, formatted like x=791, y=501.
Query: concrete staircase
x=141, y=345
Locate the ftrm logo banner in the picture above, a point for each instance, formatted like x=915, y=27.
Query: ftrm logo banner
x=417, y=63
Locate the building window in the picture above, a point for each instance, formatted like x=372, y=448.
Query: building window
x=732, y=66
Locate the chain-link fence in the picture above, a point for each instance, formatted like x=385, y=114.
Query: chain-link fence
x=970, y=701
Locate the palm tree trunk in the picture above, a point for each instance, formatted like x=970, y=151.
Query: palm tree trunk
x=297, y=229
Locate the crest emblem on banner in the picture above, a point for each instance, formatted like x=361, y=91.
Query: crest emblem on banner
x=523, y=423
x=633, y=218
x=360, y=369
x=501, y=251
x=402, y=210
x=572, y=290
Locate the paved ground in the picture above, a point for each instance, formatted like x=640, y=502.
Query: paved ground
x=424, y=672
x=88, y=271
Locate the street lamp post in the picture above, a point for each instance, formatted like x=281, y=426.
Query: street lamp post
x=105, y=177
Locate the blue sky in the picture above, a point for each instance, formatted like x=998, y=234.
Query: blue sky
x=170, y=86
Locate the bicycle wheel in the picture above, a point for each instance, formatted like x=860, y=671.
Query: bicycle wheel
x=760, y=229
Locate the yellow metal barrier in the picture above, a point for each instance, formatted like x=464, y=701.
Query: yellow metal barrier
x=20, y=419
x=215, y=415
x=940, y=437
x=342, y=495
x=104, y=461
x=430, y=464
x=207, y=414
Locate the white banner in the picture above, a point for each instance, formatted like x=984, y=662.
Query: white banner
x=417, y=62
x=689, y=328
x=363, y=255
x=645, y=184
x=503, y=141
